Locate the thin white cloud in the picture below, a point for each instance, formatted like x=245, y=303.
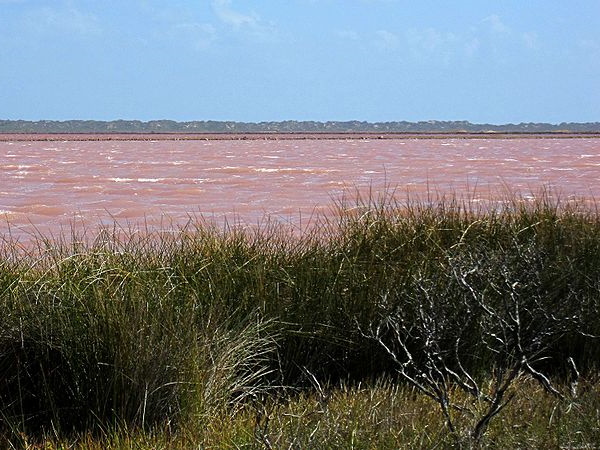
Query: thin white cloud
x=496, y=25
x=172, y=25
x=427, y=39
x=387, y=40
x=250, y=24
x=472, y=46
x=228, y=15
x=431, y=44
x=531, y=40
x=502, y=37
x=491, y=37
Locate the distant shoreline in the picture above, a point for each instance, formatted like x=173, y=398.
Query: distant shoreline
x=229, y=136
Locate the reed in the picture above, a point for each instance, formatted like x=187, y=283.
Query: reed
x=178, y=330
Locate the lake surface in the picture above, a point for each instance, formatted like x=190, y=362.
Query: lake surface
x=46, y=185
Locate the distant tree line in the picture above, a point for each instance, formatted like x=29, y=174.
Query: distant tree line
x=288, y=126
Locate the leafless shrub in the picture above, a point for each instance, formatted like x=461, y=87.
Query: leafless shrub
x=486, y=313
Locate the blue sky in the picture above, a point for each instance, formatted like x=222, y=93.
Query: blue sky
x=376, y=60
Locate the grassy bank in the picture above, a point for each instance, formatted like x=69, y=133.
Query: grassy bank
x=467, y=312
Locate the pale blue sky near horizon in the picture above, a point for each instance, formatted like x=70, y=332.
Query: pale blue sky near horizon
x=504, y=61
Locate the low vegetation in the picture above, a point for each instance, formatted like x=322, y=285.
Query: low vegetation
x=397, y=324
x=288, y=126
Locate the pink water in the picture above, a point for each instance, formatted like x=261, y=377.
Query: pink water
x=46, y=185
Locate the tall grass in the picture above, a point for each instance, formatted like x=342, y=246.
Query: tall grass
x=137, y=331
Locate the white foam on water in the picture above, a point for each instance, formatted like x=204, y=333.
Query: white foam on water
x=224, y=168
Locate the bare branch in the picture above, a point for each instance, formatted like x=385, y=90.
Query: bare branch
x=542, y=379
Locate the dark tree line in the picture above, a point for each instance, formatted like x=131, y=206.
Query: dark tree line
x=289, y=126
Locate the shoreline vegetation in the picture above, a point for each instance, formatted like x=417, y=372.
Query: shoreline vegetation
x=298, y=129
x=234, y=136
x=398, y=323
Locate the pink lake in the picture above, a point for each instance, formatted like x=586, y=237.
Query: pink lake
x=49, y=185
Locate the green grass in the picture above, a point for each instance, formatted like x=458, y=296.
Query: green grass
x=261, y=336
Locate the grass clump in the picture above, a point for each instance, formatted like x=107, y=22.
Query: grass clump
x=164, y=337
